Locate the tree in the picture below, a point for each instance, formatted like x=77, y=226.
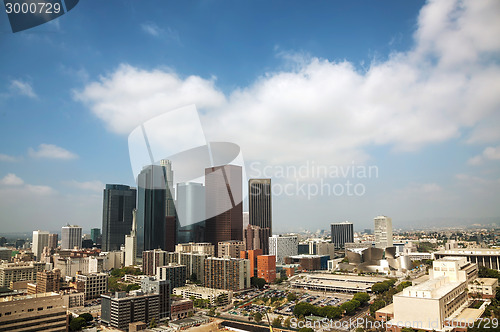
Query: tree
x=291, y=297
x=287, y=322
x=361, y=297
x=407, y=329
x=76, y=324
x=306, y=329
x=377, y=304
x=193, y=277
x=276, y=322
x=88, y=317
x=211, y=312
x=257, y=316
x=153, y=324
x=257, y=282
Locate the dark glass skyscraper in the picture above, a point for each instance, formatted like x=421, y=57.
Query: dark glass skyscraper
x=341, y=233
x=155, y=208
x=259, y=203
x=224, y=206
x=118, y=203
x=190, y=212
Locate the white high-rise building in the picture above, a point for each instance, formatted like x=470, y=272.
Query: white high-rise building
x=131, y=242
x=40, y=240
x=71, y=237
x=383, y=232
x=282, y=246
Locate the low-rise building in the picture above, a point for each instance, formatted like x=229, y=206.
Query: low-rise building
x=181, y=308
x=485, y=287
x=230, y=248
x=224, y=297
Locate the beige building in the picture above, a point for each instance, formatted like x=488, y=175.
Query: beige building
x=93, y=284
x=430, y=305
x=486, y=287
x=41, y=312
x=204, y=248
x=205, y=293
x=227, y=273
x=21, y=271
x=230, y=248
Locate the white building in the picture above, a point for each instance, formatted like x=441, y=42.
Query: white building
x=71, y=237
x=40, y=241
x=383, y=232
x=282, y=246
x=131, y=242
x=205, y=293
x=431, y=304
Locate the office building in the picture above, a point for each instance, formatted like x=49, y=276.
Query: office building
x=151, y=259
x=120, y=309
x=162, y=288
x=43, y=312
x=252, y=255
x=131, y=242
x=71, y=237
x=224, y=206
x=256, y=237
x=282, y=246
x=92, y=284
x=341, y=233
x=118, y=203
x=46, y=281
x=259, y=203
x=227, y=273
x=181, y=308
x=53, y=241
x=383, y=232
x=21, y=271
x=175, y=273
x=40, y=241
x=230, y=248
x=204, y=248
x=266, y=268
x=325, y=248
x=95, y=235
x=155, y=208
x=482, y=257
x=190, y=209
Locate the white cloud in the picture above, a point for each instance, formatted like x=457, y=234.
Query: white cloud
x=11, y=180
x=22, y=88
x=151, y=28
x=331, y=111
x=51, y=151
x=96, y=186
x=7, y=158
x=489, y=153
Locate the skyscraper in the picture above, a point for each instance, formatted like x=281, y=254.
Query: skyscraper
x=223, y=193
x=341, y=233
x=190, y=212
x=118, y=203
x=71, y=237
x=383, y=232
x=131, y=242
x=53, y=239
x=282, y=246
x=155, y=208
x=40, y=240
x=95, y=233
x=259, y=203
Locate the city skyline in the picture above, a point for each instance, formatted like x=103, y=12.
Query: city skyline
x=394, y=105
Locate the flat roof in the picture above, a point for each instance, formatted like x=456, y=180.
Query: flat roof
x=475, y=251
x=469, y=314
x=487, y=281
x=344, y=277
x=387, y=309
x=28, y=297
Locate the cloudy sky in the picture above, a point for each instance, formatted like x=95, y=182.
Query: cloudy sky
x=354, y=109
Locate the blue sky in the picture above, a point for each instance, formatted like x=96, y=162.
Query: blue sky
x=409, y=87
